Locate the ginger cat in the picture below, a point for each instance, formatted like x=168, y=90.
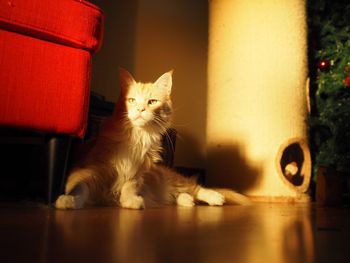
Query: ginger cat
x=122, y=166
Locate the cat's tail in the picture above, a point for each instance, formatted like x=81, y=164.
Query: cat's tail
x=233, y=198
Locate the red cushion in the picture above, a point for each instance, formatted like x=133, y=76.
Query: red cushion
x=72, y=22
x=44, y=77
x=44, y=86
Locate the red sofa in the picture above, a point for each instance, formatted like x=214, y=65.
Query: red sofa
x=46, y=47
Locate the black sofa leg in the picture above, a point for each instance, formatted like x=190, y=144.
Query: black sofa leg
x=57, y=158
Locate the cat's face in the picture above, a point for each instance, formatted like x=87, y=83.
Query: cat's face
x=148, y=104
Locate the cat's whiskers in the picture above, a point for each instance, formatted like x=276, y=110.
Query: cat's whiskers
x=160, y=122
x=170, y=142
x=181, y=125
x=174, y=110
x=179, y=137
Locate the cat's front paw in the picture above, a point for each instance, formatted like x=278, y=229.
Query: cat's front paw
x=211, y=197
x=185, y=199
x=68, y=202
x=133, y=202
x=216, y=199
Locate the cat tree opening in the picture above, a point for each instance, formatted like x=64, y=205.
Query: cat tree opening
x=293, y=163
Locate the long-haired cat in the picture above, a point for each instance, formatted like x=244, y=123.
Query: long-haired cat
x=122, y=167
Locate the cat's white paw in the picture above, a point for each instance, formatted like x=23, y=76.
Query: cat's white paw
x=185, y=199
x=211, y=197
x=133, y=202
x=68, y=202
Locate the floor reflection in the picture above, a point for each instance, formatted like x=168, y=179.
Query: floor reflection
x=271, y=233
x=258, y=233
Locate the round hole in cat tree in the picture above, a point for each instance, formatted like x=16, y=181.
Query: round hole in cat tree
x=293, y=163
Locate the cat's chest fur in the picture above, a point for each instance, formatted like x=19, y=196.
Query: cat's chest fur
x=141, y=143
x=135, y=153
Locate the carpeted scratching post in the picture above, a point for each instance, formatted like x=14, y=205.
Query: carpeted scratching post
x=257, y=99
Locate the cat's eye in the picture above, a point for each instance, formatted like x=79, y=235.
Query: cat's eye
x=152, y=102
x=131, y=100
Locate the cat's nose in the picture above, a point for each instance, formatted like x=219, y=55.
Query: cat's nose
x=141, y=109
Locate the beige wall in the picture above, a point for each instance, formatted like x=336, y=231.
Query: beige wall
x=150, y=37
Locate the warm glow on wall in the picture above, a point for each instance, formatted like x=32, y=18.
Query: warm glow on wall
x=257, y=102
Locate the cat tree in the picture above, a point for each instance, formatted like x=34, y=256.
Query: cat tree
x=257, y=99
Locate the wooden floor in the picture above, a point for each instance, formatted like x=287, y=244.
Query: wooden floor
x=259, y=233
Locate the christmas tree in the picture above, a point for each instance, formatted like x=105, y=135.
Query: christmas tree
x=329, y=53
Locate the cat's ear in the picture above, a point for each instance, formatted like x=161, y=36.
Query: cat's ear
x=165, y=82
x=125, y=80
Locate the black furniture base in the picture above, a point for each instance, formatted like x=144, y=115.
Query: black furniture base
x=33, y=165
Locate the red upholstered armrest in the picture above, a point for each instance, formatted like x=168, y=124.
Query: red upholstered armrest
x=71, y=22
x=46, y=48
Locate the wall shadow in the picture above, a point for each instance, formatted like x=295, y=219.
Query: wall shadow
x=189, y=151
x=227, y=166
